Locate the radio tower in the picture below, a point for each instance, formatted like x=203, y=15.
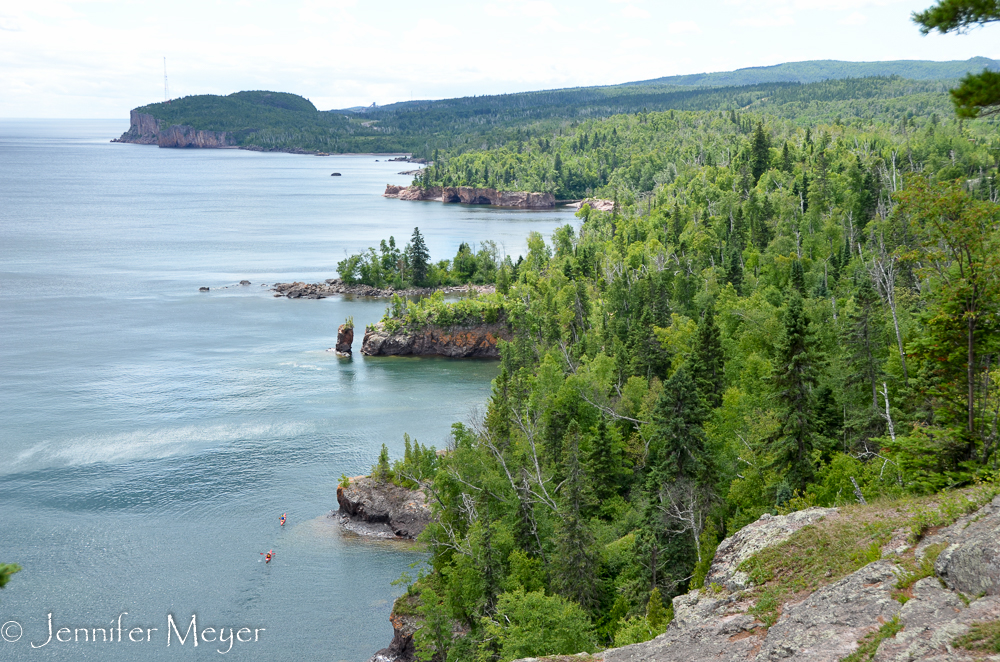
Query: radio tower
x=166, y=96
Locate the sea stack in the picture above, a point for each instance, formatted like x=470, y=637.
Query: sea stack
x=345, y=338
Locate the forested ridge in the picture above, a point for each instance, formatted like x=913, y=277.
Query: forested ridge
x=279, y=121
x=779, y=313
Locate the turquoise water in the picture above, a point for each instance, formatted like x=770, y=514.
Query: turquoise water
x=151, y=435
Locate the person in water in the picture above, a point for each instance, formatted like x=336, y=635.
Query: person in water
x=268, y=556
x=282, y=519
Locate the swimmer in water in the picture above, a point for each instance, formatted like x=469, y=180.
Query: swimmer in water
x=282, y=519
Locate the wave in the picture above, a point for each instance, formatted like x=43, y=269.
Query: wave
x=148, y=444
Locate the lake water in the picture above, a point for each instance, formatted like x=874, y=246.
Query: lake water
x=151, y=435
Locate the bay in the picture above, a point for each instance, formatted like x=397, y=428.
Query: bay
x=151, y=434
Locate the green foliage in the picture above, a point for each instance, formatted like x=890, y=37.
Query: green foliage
x=533, y=624
x=924, y=569
x=981, y=637
x=6, y=570
x=345, y=482
x=432, y=310
x=868, y=646
x=725, y=343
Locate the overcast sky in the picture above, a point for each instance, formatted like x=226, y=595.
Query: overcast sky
x=100, y=58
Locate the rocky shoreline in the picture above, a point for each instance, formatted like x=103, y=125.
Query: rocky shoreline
x=379, y=509
x=465, y=341
x=470, y=195
x=332, y=286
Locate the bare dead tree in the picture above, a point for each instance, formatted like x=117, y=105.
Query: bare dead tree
x=882, y=271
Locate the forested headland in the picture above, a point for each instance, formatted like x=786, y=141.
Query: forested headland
x=790, y=306
x=287, y=122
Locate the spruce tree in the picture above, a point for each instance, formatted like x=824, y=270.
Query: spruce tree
x=603, y=463
x=760, y=152
x=798, y=278
x=678, y=450
x=734, y=271
x=575, y=574
x=418, y=257
x=795, y=377
x=707, y=367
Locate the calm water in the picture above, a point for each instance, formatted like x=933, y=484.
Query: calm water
x=151, y=435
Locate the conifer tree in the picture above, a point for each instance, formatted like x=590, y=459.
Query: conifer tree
x=418, y=257
x=575, y=574
x=795, y=377
x=603, y=463
x=707, y=367
x=760, y=152
x=798, y=277
x=679, y=447
x=734, y=271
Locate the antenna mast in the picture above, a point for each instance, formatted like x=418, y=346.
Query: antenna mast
x=166, y=96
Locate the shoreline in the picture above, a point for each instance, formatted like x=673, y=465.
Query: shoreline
x=334, y=286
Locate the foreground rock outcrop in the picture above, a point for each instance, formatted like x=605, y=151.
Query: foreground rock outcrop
x=144, y=129
x=458, y=341
x=381, y=509
x=825, y=626
x=470, y=195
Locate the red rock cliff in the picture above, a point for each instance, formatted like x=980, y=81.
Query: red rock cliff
x=459, y=341
x=470, y=195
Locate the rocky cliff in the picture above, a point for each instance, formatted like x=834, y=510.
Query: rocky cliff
x=382, y=509
x=473, y=196
x=180, y=135
x=918, y=622
x=459, y=341
x=144, y=129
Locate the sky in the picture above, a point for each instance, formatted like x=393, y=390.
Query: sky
x=100, y=58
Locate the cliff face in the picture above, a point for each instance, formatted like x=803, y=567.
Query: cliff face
x=185, y=136
x=473, y=196
x=459, y=341
x=144, y=129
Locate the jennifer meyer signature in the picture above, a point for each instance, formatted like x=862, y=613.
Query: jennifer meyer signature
x=117, y=633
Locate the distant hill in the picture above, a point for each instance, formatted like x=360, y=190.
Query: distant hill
x=812, y=71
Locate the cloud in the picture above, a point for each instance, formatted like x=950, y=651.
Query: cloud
x=857, y=18
x=9, y=24
x=772, y=21
x=682, y=27
x=631, y=11
x=521, y=8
